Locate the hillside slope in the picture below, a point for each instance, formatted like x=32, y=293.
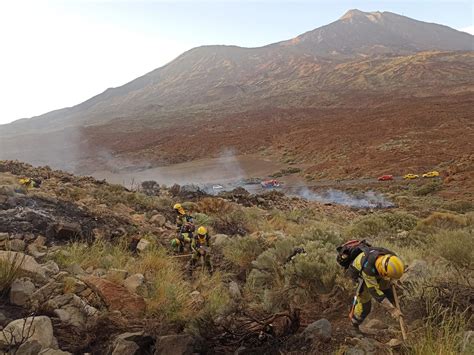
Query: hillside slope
x=361, y=61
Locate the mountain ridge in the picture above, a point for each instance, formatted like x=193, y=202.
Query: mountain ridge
x=206, y=83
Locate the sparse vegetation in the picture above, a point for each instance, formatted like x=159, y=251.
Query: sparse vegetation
x=434, y=240
x=287, y=171
x=10, y=270
x=428, y=188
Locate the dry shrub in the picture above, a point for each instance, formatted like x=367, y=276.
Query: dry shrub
x=428, y=188
x=211, y=205
x=241, y=251
x=232, y=223
x=459, y=206
x=217, y=302
x=442, y=220
x=276, y=282
x=457, y=247
x=168, y=293
x=368, y=227
x=382, y=224
x=101, y=254
x=442, y=333
x=9, y=271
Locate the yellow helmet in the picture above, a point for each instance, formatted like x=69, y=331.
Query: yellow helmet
x=389, y=266
x=179, y=208
x=202, y=230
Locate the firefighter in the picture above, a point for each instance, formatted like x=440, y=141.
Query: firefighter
x=200, y=247
x=375, y=268
x=182, y=218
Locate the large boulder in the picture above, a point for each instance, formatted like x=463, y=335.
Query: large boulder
x=72, y=310
x=234, y=291
x=134, y=283
x=132, y=343
x=125, y=347
x=116, y=297
x=321, y=329
x=16, y=245
x=64, y=230
x=50, y=268
x=174, y=345
x=143, y=244
x=32, y=347
x=376, y=324
x=416, y=270
x=158, y=220
x=25, y=263
x=21, y=291
x=32, y=328
x=33, y=250
x=46, y=292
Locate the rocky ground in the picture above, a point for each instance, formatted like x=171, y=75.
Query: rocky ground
x=84, y=268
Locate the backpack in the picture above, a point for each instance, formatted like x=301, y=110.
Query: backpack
x=347, y=252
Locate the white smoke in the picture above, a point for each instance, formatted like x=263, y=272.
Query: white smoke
x=368, y=199
x=223, y=171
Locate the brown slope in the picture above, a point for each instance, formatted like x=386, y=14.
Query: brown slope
x=145, y=135
x=214, y=75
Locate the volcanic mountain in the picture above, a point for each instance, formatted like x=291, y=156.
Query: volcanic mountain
x=353, y=97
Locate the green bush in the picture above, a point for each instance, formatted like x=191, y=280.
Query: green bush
x=459, y=206
x=442, y=220
x=201, y=219
x=428, y=188
x=457, y=247
x=400, y=221
x=316, y=271
x=277, y=282
x=241, y=251
x=368, y=227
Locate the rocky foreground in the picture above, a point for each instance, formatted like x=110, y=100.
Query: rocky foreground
x=85, y=268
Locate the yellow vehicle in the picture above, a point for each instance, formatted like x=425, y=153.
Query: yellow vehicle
x=411, y=176
x=431, y=174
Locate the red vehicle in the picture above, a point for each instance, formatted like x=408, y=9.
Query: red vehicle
x=385, y=177
x=268, y=184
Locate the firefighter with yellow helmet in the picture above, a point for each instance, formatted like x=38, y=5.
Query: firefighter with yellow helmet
x=375, y=268
x=200, y=247
x=183, y=219
x=184, y=228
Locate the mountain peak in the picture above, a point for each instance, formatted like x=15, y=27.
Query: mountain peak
x=355, y=13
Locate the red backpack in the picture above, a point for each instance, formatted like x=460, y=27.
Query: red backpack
x=347, y=252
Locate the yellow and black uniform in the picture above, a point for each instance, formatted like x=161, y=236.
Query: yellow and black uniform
x=30, y=183
x=200, y=247
x=366, y=267
x=182, y=241
x=183, y=222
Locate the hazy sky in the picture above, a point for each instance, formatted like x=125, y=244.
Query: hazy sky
x=56, y=54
